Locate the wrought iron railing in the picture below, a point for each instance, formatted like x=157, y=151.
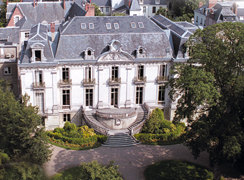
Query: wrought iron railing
x=113, y=81
x=65, y=82
x=162, y=78
x=89, y=82
x=38, y=84
x=142, y=79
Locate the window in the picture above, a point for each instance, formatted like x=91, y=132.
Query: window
x=88, y=74
x=157, y=1
x=197, y=19
x=38, y=77
x=38, y=55
x=133, y=24
x=65, y=72
x=7, y=71
x=163, y=70
x=140, y=51
x=144, y=9
x=114, y=97
x=107, y=9
x=141, y=1
x=83, y=26
x=116, y=26
x=27, y=35
x=139, y=95
x=241, y=18
x=91, y=26
x=153, y=9
x=141, y=25
x=40, y=102
x=66, y=117
x=101, y=9
x=108, y=25
x=89, y=97
x=140, y=72
x=66, y=99
x=201, y=22
x=16, y=19
x=115, y=72
x=89, y=52
x=161, y=94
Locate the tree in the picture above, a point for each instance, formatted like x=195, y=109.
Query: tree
x=97, y=10
x=164, y=12
x=20, y=136
x=210, y=88
x=118, y=14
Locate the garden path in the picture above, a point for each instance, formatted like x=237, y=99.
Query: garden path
x=131, y=160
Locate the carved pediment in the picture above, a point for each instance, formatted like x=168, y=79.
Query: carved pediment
x=37, y=46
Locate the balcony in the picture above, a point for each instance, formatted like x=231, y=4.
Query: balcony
x=65, y=82
x=162, y=79
x=140, y=80
x=89, y=82
x=65, y=106
x=114, y=81
x=38, y=85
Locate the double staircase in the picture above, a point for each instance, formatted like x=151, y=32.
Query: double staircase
x=118, y=138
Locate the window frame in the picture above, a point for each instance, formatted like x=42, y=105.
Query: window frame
x=108, y=26
x=116, y=24
x=66, y=118
x=7, y=71
x=133, y=25
x=83, y=24
x=91, y=26
x=161, y=94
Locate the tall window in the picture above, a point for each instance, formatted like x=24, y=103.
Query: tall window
x=66, y=117
x=153, y=9
x=140, y=72
x=66, y=99
x=161, y=94
x=89, y=97
x=38, y=77
x=163, y=70
x=65, y=72
x=139, y=95
x=114, y=96
x=40, y=102
x=144, y=9
x=107, y=9
x=115, y=72
x=88, y=74
x=38, y=55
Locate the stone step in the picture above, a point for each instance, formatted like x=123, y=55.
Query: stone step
x=120, y=140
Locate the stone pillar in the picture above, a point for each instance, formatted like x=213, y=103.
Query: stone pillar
x=128, y=87
x=100, y=88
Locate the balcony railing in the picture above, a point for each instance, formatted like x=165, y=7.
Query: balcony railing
x=38, y=85
x=114, y=81
x=65, y=82
x=65, y=106
x=162, y=79
x=140, y=80
x=89, y=82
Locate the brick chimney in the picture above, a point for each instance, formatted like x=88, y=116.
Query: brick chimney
x=90, y=10
x=64, y=4
x=52, y=27
x=34, y=3
x=200, y=4
x=211, y=3
x=7, y=2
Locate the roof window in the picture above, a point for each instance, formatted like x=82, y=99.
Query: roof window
x=140, y=24
x=83, y=26
x=116, y=25
x=133, y=24
x=91, y=26
x=108, y=25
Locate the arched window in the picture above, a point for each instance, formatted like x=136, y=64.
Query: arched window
x=89, y=52
x=141, y=51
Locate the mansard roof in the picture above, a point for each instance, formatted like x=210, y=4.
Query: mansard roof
x=10, y=34
x=74, y=40
x=76, y=10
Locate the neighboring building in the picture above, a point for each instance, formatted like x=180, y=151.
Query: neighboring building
x=150, y=7
x=216, y=12
x=96, y=62
x=9, y=48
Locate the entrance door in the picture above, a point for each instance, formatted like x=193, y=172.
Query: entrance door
x=139, y=95
x=114, y=97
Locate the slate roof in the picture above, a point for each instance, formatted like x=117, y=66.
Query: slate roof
x=74, y=40
x=10, y=34
x=135, y=6
x=38, y=34
x=76, y=10
x=152, y=2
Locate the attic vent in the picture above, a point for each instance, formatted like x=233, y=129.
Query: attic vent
x=91, y=26
x=108, y=25
x=116, y=26
x=140, y=24
x=83, y=26
x=133, y=24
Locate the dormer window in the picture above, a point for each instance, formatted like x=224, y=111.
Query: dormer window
x=89, y=54
x=157, y=1
x=83, y=26
x=37, y=53
x=108, y=25
x=116, y=25
x=140, y=24
x=141, y=52
x=91, y=26
x=16, y=19
x=133, y=24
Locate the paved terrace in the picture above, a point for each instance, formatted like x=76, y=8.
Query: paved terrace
x=131, y=160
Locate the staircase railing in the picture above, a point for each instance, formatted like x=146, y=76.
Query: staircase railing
x=138, y=127
x=94, y=125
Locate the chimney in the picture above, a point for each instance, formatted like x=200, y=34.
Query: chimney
x=7, y=2
x=129, y=2
x=234, y=8
x=211, y=3
x=34, y=3
x=90, y=10
x=52, y=27
x=64, y=4
x=86, y=7
x=200, y=4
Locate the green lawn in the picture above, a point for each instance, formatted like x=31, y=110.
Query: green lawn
x=177, y=170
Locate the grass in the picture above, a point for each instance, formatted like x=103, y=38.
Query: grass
x=177, y=170
x=72, y=173
x=74, y=148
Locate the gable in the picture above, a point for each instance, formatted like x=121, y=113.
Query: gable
x=16, y=13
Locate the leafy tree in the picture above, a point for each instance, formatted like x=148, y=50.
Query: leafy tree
x=118, y=14
x=184, y=17
x=210, y=88
x=97, y=10
x=164, y=12
x=20, y=136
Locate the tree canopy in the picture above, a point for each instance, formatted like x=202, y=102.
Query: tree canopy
x=210, y=88
x=164, y=12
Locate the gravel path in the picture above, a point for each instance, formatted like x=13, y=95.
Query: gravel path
x=131, y=160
